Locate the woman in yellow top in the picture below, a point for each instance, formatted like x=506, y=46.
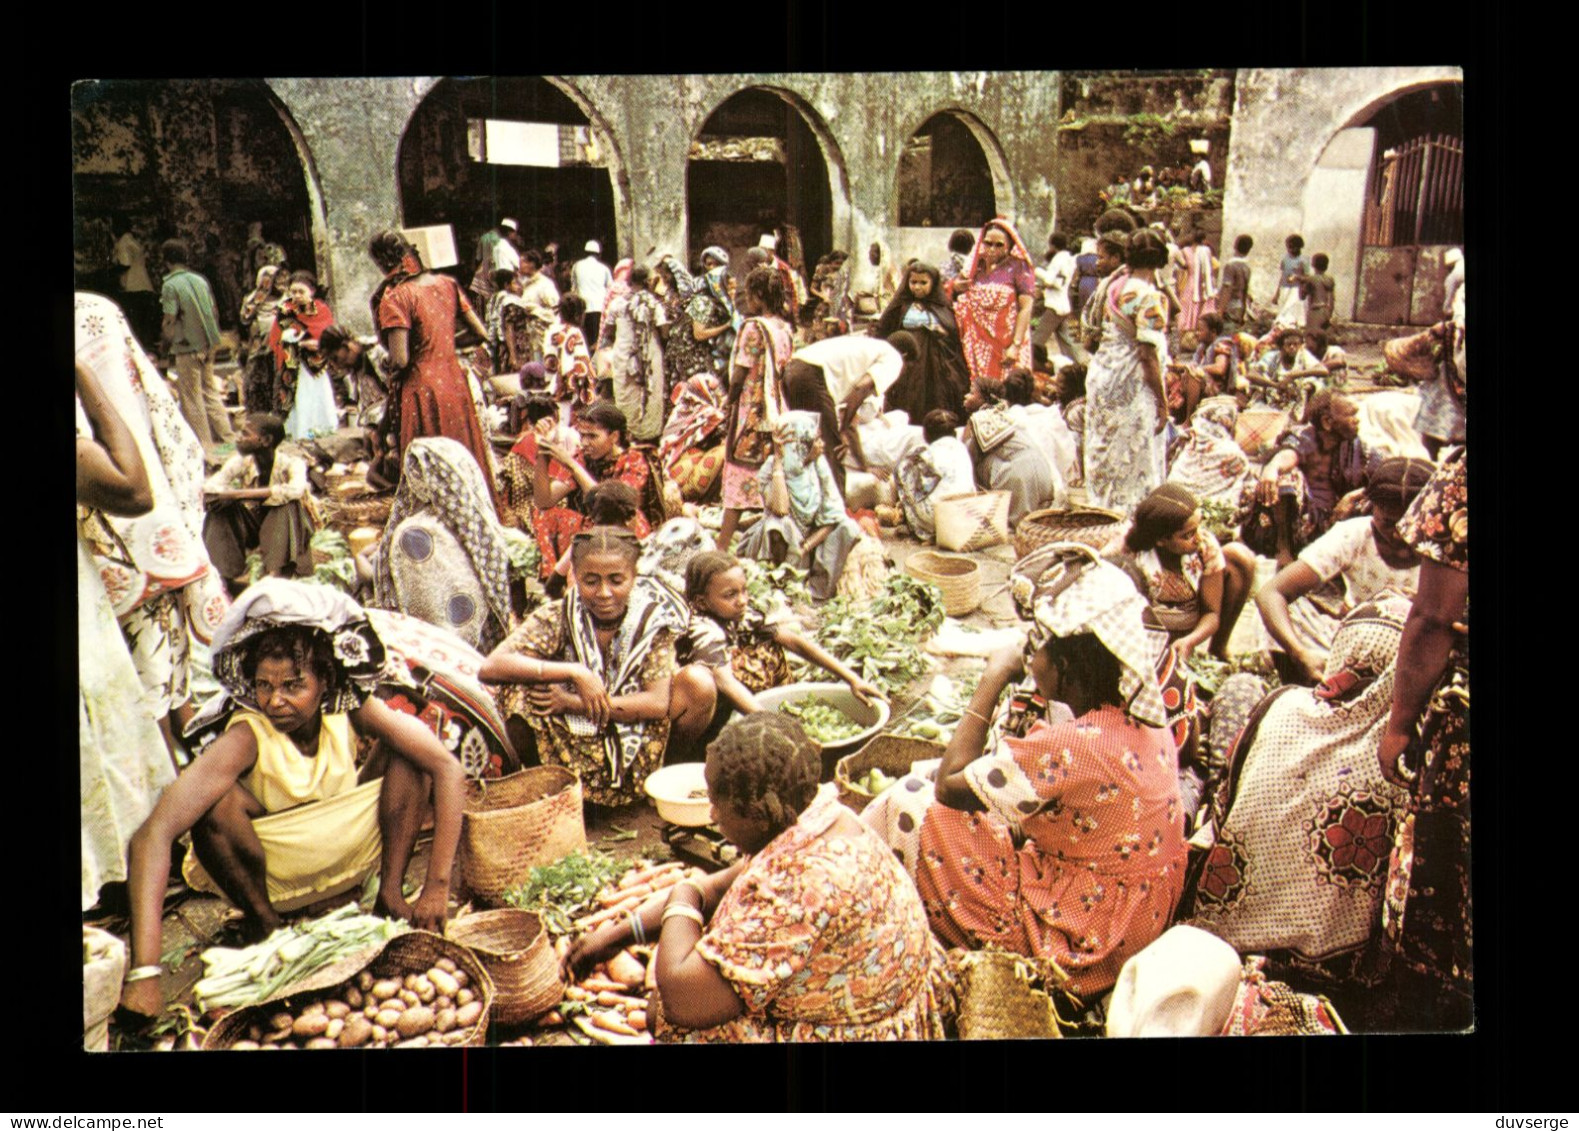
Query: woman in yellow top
x=279, y=814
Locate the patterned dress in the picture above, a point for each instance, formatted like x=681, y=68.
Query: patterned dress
x=1427, y=918
x=545, y=635
x=1124, y=458
x=435, y=399
x=987, y=312
x=761, y=400
x=557, y=526
x=1079, y=856
x=823, y=938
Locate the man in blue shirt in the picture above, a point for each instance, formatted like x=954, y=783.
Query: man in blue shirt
x=191, y=334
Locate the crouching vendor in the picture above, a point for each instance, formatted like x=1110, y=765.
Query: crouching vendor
x=279, y=815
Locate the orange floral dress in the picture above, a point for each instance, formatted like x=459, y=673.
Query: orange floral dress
x=824, y=939
x=1098, y=863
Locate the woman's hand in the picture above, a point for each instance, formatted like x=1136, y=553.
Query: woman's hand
x=429, y=912
x=594, y=696
x=1007, y=663
x=1392, y=748
x=554, y=699
x=144, y=997
x=554, y=451
x=1310, y=663
x=1266, y=488
x=594, y=947
x=1183, y=648
x=867, y=693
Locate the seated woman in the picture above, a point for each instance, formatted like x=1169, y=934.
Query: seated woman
x=443, y=557
x=279, y=814
x=692, y=447
x=1305, y=819
x=940, y=469
x=1006, y=456
x=1350, y=564
x=589, y=682
x=934, y=375
x=1211, y=465
x=739, y=957
x=1216, y=361
x=605, y=454
x=815, y=528
x=1288, y=376
x=1071, y=396
x=1060, y=840
x=744, y=654
x=610, y=503
x=667, y=552
x=517, y=470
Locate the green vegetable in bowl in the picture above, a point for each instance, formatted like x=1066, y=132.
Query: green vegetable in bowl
x=823, y=721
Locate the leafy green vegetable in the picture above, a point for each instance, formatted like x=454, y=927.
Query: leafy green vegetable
x=881, y=639
x=823, y=721
x=1220, y=518
x=567, y=889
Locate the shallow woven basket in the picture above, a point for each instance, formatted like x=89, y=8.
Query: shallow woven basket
x=1091, y=525
x=347, y=514
x=411, y=953
x=512, y=824
x=887, y=752
x=958, y=578
x=514, y=948
x=997, y=1000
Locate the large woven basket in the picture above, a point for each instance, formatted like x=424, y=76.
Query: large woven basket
x=972, y=521
x=959, y=579
x=998, y=999
x=514, y=948
x=512, y=824
x=410, y=953
x=887, y=752
x=1091, y=525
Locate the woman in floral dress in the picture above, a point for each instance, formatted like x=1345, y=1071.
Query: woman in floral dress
x=1058, y=839
x=993, y=300
x=1427, y=918
x=756, y=398
x=1126, y=404
x=817, y=935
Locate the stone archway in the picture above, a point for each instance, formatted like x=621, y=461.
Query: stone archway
x=762, y=159
x=531, y=148
x=951, y=173
x=1396, y=144
x=200, y=159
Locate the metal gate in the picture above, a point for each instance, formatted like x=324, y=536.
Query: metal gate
x=1414, y=213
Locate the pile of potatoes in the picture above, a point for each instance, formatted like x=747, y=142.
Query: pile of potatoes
x=429, y=1010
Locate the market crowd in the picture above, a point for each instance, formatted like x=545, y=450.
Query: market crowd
x=508, y=528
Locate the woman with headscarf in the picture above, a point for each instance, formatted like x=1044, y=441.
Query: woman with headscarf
x=1353, y=562
x=1053, y=835
x=589, y=682
x=1212, y=466
x=635, y=319
x=756, y=396
x=815, y=527
x=1006, y=449
x=443, y=557
x=1197, y=286
x=415, y=312
x=1305, y=820
x=566, y=361
x=1126, y=403
x=692, y=447
x=993, y=301
x=937, y=377
x=714, y=319
x=279, y=813
x=259, y=387
x=684, y=355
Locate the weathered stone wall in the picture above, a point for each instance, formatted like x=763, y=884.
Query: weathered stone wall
x=1283, y=121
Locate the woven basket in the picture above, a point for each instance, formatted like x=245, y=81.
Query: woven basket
x=410, y=953
x=887, y=752
x=1411, y=356
x=972, y=521
x=348, y=514
x=958, y=578
x=512, y=824
x=997, y=998
x=514, y=947
x=1090, y=525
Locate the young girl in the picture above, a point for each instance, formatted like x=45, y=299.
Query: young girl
x=745, y=654
x=1291, y=274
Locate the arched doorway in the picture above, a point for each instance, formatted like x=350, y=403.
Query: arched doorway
x=763, y=161
x=202, y=159
x=1386, y=202
x=951, y=175
x=478, y=150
